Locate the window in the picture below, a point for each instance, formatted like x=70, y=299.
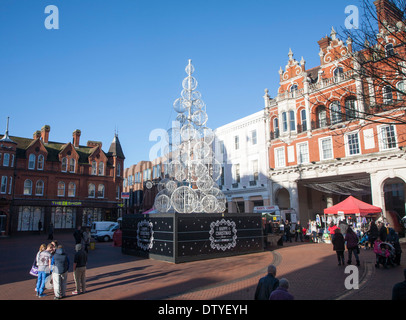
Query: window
x=61, y=189
x=237, y=177
x=31, y=162
x=101, y=168
x=350, y=109
x=387, y=137
x=255, y=170
x=12, y=160
x=64, y=165
x=40, y=162
x=321, y=116
x=292, y=120
x=389, y=50
x=280, y=157
x=94, y=168
x=303, y=119
x=352, y=144
x=284, y=121
x=401, y=90
x=254, y=137
x=276, y=127
x=302, y=153
x=119, y=170
x=6, y=160
x=39, y=188
x=293, y=90
x=236, y=142
x=387, y=95
x=118, y=192
x=72, y=165
x=335, y=112
x=91, y=190
x=100, y=191
x=338, y=73
x=11, y=185
x=221, y=147
x=71, y=189
x=3, y=188
x=326, y=148
x=27, y=187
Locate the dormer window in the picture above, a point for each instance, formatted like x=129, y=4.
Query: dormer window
x=72, y=165
x=40, y=162
x=389, y=50
x=31, y=162
x=94, y=168
x=64, y=164
x=101, y=168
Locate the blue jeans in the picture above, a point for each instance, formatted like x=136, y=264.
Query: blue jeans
x=42, y=275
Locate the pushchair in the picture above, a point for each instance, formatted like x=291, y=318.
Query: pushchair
x=364, y=242
x=385, y=255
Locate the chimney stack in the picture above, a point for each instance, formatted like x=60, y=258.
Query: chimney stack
x=76, y=138
x=45, y=133
x=387, y=11
x=36, y=135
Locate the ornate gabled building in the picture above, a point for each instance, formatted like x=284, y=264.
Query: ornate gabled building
x=66, y=184
x=337, y=130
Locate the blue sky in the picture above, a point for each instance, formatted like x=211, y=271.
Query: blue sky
x=120, y=63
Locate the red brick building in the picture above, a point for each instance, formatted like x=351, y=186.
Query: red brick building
x=336, y=130
x=66, y=184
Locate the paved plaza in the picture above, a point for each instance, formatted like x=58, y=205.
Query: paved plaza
x=311, y=269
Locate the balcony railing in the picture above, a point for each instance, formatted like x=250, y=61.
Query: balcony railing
x=333, y=80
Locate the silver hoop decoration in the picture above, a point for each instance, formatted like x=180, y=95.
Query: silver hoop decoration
x=190, y=163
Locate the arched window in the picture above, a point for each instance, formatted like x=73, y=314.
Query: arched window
x=72, y=165
x=401, y=90
x=27, y=187
x=284, y=121
x=335, y=112
x=92, y=190
x=71, y=189
x=64, y=165
x=292, y=120
x=321, y=116
x=350, y=108
x=338, y=73
x=40, y=162
x=39, y=188
x=6, y=160
x=387, y=95
x=101, y=168
x=100, y=191
x=276, y=128
x=61, y=189
x=31, y=162
x=303, y=119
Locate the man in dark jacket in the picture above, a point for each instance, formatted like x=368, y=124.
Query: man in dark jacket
x=78, y=235
x=399, y=290
x=60, y=263
x=267, y=284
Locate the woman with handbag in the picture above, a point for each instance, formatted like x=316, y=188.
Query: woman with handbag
x=44, y=269
x=34, y=268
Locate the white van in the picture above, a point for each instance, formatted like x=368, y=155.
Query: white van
x=98, y=226
x=106, y=235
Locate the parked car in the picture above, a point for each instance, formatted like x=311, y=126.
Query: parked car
x=106, y=235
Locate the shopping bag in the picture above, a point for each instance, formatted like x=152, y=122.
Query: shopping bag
x=48, y=282
x=34, y=271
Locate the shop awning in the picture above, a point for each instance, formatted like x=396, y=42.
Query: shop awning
x=352, y=205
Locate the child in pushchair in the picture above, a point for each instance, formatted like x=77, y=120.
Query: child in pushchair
x=364, y=242
x=385, y=254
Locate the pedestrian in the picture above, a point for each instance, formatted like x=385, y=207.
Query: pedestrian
x=298, y=232
x=78, y=235
x=44, y=269
x=86, y=239
x=267, y=284
x=51, y=232
x=39, y=226
x=60, y=264
x=339, y=245
x=281, y=292
x=352, y=245
x=373, y=233
x=287, y=231
x=383, y=232
x=399, y=289
x=42, y=247
x=393, y=238
x=79, y=270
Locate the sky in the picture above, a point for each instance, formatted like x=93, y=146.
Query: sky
x=118, y=65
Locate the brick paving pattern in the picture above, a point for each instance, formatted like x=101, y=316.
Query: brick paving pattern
x=311, y=269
